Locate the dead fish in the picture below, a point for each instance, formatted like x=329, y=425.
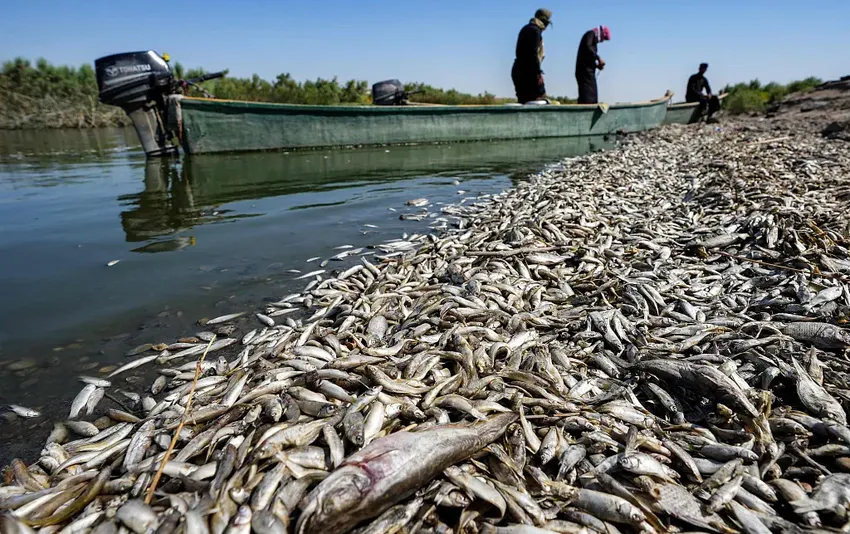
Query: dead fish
x=816, y=398
x=356, y=495
x=311, y=274
x=81, y=400
x=832, y=494
x=23, y=411
x=224, y=318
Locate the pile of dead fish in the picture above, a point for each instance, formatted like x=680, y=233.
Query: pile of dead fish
x=643, y=340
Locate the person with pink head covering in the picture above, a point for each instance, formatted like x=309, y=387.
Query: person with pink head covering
x=588, y=61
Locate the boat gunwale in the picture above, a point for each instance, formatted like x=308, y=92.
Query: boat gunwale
x=438, y=109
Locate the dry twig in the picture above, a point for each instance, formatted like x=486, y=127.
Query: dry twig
x=165, y=458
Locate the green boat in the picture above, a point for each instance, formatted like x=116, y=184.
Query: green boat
x=686, y=112
x=142, y=84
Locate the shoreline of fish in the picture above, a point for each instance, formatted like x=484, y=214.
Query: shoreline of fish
x=648, y=340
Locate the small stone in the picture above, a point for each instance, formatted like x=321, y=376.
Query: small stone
x=226, y=330
x=20, y=365
x=9, y=417
x=103, y=422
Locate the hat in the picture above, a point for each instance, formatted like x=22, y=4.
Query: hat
x=544, y=16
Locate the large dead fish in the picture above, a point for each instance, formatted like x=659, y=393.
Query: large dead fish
x=389, y=470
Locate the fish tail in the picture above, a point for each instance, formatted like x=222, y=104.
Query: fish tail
x=805, y=505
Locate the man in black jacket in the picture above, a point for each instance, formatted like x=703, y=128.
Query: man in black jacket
x=526, y=72
x=587, y=61
x=700, y=91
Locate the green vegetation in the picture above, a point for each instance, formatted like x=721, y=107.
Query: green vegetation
x=755, y=97
x=42, y=95
x=432, y=95
x=49, y=96
x=330, y=92
x=283, y=89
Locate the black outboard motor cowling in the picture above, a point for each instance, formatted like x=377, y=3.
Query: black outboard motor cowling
x=138, y=82
x=132, y=78
x=388, y=93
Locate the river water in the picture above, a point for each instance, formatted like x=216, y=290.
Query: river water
x=196, y=238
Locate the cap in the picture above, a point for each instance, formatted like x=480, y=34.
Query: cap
x=544, y=16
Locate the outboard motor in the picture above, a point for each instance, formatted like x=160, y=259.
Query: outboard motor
x=388, y=93
x=138, y=82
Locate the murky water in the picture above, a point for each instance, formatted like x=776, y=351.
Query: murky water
x=195, y=238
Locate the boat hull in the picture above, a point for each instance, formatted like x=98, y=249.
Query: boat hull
x=685, y=112
x=209, y=126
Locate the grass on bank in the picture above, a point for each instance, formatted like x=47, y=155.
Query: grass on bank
x=755, y=97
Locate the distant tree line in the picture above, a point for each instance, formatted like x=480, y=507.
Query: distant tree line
x=42, y=95
x=286, y=90
x=49, y=96
x=755, y=97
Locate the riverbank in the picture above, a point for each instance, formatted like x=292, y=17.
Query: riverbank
x=697, y=274
x=22, y=112
x=826, y=109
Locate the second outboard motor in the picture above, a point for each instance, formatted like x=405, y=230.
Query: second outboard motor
x=388, y=93
x=138, y=83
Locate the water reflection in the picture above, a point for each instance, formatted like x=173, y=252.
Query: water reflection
x=166, y=207
x=180, y=196
x=46, y=148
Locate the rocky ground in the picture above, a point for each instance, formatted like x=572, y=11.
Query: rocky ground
x=826, y=109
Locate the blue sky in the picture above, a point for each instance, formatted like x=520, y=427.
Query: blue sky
x=466, y=44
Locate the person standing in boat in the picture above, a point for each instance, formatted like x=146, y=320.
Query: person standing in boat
x=587, y=61
x=526, y=72
x=699, y=90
